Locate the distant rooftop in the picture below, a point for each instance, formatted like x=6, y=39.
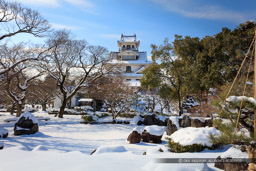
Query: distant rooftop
x=128, y=38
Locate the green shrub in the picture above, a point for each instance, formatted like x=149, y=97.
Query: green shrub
x=178, y=148
x=88, y=118
x=103, y=115
x=127, y=115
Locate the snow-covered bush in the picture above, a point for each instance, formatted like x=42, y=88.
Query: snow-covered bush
x=192, y=139
x=88, y=118
x=178, y=148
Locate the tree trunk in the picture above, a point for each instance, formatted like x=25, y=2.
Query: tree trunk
x=62, y=108
x=19, y=110
x=12, y=108
x=44, y=106
x=113, y=115
x=180, y=105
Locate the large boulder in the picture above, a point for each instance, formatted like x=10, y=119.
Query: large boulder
x=227, y=166
x=1, y=145
x=150, y=120
x=3, y=133
x=171, y=127
x=185, y=121
x=197, y=123
x=153, y=134
x=134, y=137
x=26, y=124
x=154, y=120
x=208, y=122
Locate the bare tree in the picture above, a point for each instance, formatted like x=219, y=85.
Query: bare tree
x=73, y=64
x=16, y=19
x=16, y=81
x=115, y=94
x=42, y=91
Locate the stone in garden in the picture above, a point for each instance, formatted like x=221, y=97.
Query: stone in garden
x=208, y=122
x=153, y=134
x=171, y=127
x=227, y=166
x=139, y=123
x=1, y=145
x=3, y=133
x=149, y=120
x=197, y=123
x=26, y=124
x=134, y=137
x=153, y=120
x=185, y=122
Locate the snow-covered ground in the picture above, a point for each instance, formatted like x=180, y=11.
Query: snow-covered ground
x=65, y=144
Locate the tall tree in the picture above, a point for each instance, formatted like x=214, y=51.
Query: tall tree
x=73, y=64
x=16, y=19
x=17, y=80
x=42, y=91
x=167, y=74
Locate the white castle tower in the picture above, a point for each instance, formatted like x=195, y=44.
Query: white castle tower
x=131, y=62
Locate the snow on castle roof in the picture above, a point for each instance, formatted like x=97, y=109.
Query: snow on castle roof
x=143, y=59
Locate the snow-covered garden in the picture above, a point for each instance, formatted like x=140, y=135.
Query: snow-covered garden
x=66, y=144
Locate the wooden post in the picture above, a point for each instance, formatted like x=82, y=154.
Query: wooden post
x=254, y=88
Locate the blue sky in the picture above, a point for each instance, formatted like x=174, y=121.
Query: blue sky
x=101, y=22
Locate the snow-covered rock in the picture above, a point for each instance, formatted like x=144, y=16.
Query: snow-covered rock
x=27, y=123
x=134, y=136
x=28, y=116
x=175, y=121
x=234, y=153
x=110, y=149
x=3, y=133
x=172, y=125
x=153, y=134
x=155, y=130
x=1, y=145
x=189, y=136
x=136, y=119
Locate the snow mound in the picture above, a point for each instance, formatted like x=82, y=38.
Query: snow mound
x=190, y=135
x=110, y=149
x=28, y=115
x=136, y=119
x=3, y=131
x=155, y=150
x=152, y=166
x=155, y=130
x=234, y=153
x=40, y=148
x=138, y=129
x=235, y=99
x=161, y=117
x=175, y=121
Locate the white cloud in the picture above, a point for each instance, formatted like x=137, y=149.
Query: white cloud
x=61, y=26
x=48, y=3
x=81, y=3
x=111, y=36
x=196, y=9
x=84, y=5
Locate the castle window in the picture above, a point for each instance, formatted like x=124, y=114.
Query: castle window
x=128, y=47
x=128, y=79
x=128, y=69
x=133, y=46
